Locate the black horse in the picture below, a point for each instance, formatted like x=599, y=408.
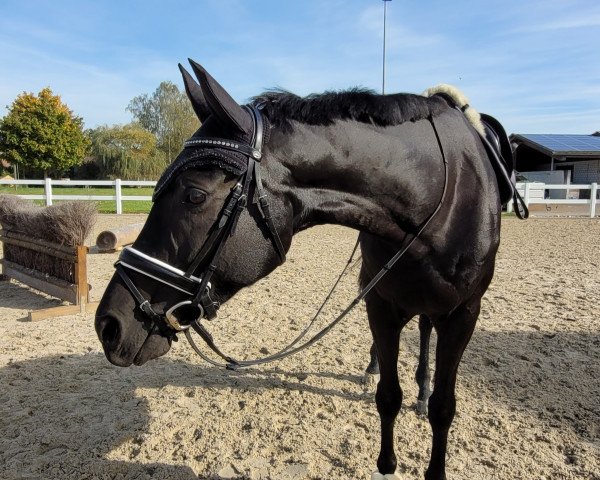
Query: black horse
x=404, y=170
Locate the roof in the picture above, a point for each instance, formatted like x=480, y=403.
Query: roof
x=561, y=145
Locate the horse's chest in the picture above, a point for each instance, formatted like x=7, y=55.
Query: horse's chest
x=434, y=282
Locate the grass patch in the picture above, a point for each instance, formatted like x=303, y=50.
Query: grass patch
x=103, y=206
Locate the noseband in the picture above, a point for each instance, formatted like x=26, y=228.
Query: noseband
x=200, y=304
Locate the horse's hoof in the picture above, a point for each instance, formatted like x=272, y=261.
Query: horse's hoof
x=387, y=476
x=370, y=381
x=421, y=407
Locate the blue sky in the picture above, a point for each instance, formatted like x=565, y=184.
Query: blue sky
x=534, y=64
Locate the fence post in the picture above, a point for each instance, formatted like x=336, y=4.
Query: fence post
x=509, y=205
x=119, y=196
x=80, y=277
x=48, y=191
x=527, y=193
x=593, y=195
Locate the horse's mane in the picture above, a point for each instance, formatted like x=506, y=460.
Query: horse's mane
x=362, y=105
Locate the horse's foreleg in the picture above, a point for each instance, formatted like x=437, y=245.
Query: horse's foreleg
x=423, y=374
x=386, y=327
x=454, y=332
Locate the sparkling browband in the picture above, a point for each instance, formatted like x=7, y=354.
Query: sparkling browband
x=196, y=141
x=222, y=143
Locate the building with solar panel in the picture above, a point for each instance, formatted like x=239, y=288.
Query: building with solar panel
x=557, y=159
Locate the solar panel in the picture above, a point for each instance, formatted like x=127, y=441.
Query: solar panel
x=562, y=143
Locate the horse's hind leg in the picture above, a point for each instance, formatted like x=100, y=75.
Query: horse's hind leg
x=454, y=332
x=423, y=374
x=386, y=324
x=371, y=377
x=373, y=367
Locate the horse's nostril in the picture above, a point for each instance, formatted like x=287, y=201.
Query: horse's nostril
x=111, y=331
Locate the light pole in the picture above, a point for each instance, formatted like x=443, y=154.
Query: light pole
x=384, y=22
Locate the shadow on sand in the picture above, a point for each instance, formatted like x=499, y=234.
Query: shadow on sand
x=61, y=416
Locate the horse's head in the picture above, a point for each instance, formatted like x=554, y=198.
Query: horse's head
x=199, y=245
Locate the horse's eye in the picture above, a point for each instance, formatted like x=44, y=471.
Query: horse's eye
x=195, y=196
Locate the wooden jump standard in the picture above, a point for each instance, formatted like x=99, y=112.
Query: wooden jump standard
x=76, y=292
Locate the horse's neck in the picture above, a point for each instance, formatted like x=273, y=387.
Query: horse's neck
x=354, y=174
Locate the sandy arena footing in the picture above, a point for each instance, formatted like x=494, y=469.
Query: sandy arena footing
x=527, y=392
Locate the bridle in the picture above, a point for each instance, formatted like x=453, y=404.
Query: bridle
x=200, y=303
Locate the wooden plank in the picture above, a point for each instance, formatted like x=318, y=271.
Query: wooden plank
x=559, y=201
x=21, y=236
x=566, y=186
x=39, y=245
x=37, y=248
x=127, y=198
x=44, y=313
x=84, y=183
x=83, y=197
x=35, y=273
x=21, y=182
x=31, y=197
x=139, y=183
x=52, y=286
x=61, y=310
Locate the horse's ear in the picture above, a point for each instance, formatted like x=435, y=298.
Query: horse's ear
x=220, y=103
x=194, y=93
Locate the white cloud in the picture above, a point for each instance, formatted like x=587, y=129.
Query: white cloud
x=582, y=20
x=529, y=63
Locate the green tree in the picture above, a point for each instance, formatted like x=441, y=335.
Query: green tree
x=41, y=134
x=168, y=114
x=126, y=151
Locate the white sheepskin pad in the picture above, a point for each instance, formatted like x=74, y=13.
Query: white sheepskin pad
x=461, y=100
x=387, y=476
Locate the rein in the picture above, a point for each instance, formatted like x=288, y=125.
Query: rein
x=198, y=287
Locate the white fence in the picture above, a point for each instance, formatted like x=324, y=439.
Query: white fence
x=118, y=196
x=532, y=192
